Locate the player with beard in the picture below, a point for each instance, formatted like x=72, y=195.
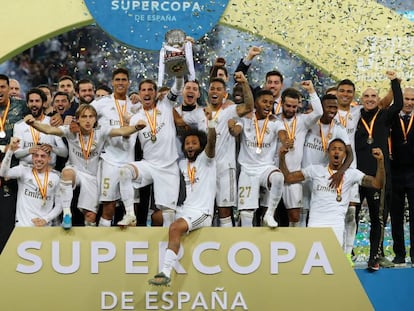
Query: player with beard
x=297, y=126
x=85, y=90
x=192, y=114
x=114, y=111
x=226, y=188
x=199, y=171
x=31, y=139
x=329, y=204
x=37, y=187
x=159, y=160
x=85, y=148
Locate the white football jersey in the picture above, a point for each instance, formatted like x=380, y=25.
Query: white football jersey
x=161, y=150
x=201, y=192
x=251, y=155
x=77, y=158
x=118, y=150
x=30, y=203
x=349, y=120
x=28, y=135
x=313, y=150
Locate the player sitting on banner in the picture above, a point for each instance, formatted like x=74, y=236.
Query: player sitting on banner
x=199, y=170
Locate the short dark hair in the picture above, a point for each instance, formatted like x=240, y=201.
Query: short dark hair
x=292, y=93
x=37, y=91
x=336, y=140
x=215, y=69
x=346, y=82
x=202, y=137
x=220, y=80
x=61, y=93
x=83, y=81
x=275, y=73
x=120, y=70
x=105, y=88
x=263, y=93
x=147, y=81
x=327, y=97
x=66, y=77
x=193, y=81
x=6, y=78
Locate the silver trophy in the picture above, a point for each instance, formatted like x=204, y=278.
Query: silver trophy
x=174, y=56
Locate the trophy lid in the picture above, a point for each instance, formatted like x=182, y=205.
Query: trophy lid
x=175, y=37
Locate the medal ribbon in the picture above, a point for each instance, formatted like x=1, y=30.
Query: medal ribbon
x=216, y=114
x=278, y=106
x=339, y=188
x=191, y=172
x=152, y=123
x=260, y=134
x=42, y=189
x=344, y=120
x=324, y=138
x=370, y=128
x=121, y=112
x=4, y=117
x=35, y=133
x=290, y=132
x=87, y=151
x=406, y=131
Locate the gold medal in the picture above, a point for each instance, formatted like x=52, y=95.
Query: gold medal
x=338, y=198
x=152, y=123
x=370, y=128
x=260, y=133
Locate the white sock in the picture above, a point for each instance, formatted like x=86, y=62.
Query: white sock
x=350, y=230
x=168, y=217
x=126, y=188
x=169, y=262
x=226, y=222
x=66, y=195
x=90, y=224
x=104, y=222
x=293, y=224
x=275, y=193
x=246, y=217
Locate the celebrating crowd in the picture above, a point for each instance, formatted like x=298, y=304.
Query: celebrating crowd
x=254, y=156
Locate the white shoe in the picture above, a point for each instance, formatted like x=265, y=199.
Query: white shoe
x=270, y=221
x=128, y=220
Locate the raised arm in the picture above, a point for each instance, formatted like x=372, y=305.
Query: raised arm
x=395, y=108
x=42, y=127
x=176, y=90
x=248, y=103
x=290, y=177
x=317, y=110
x=6, y=163
x=378, y=181
x=211, y=134
x=247, y=60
